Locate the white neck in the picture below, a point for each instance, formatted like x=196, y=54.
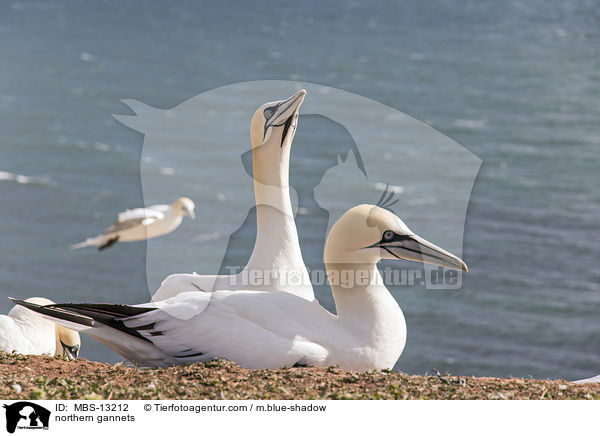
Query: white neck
x=277, y=245
x=360, y=293
x=275, y=196
x=368, y=310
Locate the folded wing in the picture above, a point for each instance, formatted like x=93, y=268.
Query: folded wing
x=248, y=327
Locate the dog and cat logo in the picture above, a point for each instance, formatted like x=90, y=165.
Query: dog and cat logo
x=26, y=415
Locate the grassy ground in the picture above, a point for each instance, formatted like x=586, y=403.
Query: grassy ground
x=42, y=377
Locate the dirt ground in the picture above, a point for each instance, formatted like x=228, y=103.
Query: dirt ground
x=42, y=377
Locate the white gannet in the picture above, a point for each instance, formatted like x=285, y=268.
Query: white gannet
x=259, y=329
x=276, y=255
x=26, y=332
x=142, y=223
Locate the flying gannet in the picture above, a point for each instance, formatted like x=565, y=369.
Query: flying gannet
x=26, y=332
x=142, y=223
x=276, y=256
x=259, y=329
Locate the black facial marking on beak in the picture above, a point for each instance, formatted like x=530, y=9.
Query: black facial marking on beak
x=274, y=114
x=389, y=237
x=268, y=114
x=286, y=126
x=396, y=256
x=71, y=351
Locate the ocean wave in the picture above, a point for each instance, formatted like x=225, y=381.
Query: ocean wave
x=391, y=188
x=471, y=124
x=25, y=180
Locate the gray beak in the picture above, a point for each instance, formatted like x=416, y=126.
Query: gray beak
x=413, y=247
x=70, y=352
x=286, y=109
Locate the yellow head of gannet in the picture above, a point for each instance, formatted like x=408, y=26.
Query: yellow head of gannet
x=68, y=343
x=367, y=233
x=184, y=206
x=272, y=130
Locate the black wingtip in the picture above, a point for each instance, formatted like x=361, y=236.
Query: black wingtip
x=19, y=302
x=53, y=311
x=88, y=315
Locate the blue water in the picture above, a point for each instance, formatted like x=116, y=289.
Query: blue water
x=515, y=82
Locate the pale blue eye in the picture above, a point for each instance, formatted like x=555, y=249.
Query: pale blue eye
x=268, y=114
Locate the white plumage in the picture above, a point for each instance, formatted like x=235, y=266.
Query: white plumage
x=142, y=223
x=25, y=332
x=262, y=329
x=277, y=249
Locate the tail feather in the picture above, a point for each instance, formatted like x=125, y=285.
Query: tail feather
x=105, y=323
x=111, y=315
x=89, y=242
x=53, y=311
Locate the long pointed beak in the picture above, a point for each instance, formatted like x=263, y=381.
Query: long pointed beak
x=286, y=109
x=71, y=353
x=418, y=249
x=192, y=214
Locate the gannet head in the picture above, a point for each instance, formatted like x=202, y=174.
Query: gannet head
x=68, y=343
x=184, y=206
x=272, y=130
x=276, y=120
x=367, y=233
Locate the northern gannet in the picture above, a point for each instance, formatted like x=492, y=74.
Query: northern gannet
x=26, y=332
x=276, y=255
x=259, y=329
x=142, y=223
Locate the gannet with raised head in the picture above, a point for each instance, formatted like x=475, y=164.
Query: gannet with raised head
x=276, y=255
x=26, y=332
x=142, y=223
x=259, y=329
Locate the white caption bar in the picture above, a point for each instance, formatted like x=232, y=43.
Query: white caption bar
x=264, y=418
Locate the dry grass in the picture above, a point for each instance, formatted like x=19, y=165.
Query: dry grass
x=42, y=377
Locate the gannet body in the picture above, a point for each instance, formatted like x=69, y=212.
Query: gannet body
x=261, y=329
x=276, y=257
x=26, y=332
x=142, y=223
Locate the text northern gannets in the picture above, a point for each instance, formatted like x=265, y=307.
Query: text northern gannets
x=142, y=223
x=275, y=329
x=26, y=332
x=277, y=248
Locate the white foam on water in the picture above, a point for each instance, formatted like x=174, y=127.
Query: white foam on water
x=471, y=124
x=25, y=180
x=391, y=188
